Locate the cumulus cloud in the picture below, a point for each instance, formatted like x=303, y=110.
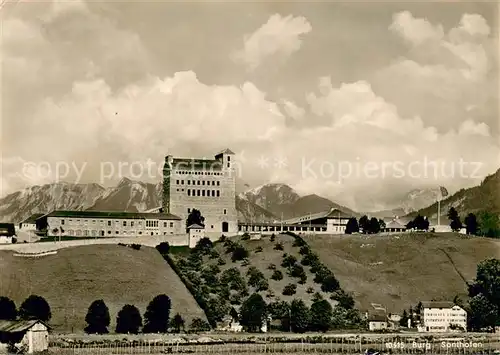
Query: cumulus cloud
x=362, y=151
x=444, y=73
x=280, y=35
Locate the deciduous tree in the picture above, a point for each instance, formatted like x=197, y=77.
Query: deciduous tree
x=129, y=320
x=97, y=318
x=35, y=307
x=8, y=309
x=157, y=315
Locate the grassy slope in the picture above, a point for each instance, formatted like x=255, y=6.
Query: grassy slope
x=263, y=259
x=414, y=266
x=74, y=277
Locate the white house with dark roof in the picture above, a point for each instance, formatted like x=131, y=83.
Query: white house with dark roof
x=108, y=224
x=196, y=232
x=394, y=225
x=28, y=336
x=441, y=316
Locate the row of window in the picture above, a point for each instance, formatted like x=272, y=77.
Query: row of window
x=211, y=173
x=125, y=223
x=203, y=193
x=199, y=182
x=224, y=211
x=444, y=320
x=95, y=233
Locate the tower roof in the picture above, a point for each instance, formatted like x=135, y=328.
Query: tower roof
x=225, y=151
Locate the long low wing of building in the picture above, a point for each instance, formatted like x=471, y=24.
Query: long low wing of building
x=108, y=224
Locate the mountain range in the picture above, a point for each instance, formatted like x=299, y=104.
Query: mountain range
x=268, y=202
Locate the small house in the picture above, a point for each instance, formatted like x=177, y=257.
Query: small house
x=377, y=320
x=28, y=336
x=394, y=226
x=195, y=232
x=7, y=233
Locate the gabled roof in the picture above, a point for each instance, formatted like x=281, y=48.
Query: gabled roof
x=111, y=214
x=15, y=326
x=195, y=226
x=437, y=304
x=395, y=224
x=33, y=218
x=225, y=151
x=335, y=213
x=377, y=316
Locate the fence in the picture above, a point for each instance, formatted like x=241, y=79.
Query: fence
x=331, y=345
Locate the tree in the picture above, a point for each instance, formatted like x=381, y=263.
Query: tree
x=253, y=312
x=156, y=318
x=97, y=318
x=129, y=320
x=483, y=314
x=455, y=222
x=8, y=309
x=419, y=223
x=344, y=299
x=489, y=224
x=35, y=307
x=404, y=319
x=203, y=246
x=352, y=226
x=372, y=226
x=280, y=310
x=330, y=284
x=299, y=316
x=471, y=224
x=195, y=217
x=485, y=295
x=199, y=325
x=364, y=224
x=177, y=323
x=381, y=224
x=277, y=275
x=289, y=290
x=163, y=248
x=321, y=316
x=288, y=261
x=239, y=253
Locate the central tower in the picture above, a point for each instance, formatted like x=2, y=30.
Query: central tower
x=208, y=185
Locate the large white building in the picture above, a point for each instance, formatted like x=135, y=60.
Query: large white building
x=208, y=185
x=108, y=224
x=442, y=317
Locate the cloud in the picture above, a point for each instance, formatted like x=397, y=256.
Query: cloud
x=444, y=73
x=363, y=137
x=278, y=36
x=415, y=31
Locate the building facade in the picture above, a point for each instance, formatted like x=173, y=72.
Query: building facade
x=208, y=185
x=29, y=336
x=108, y=224
x=443, y=317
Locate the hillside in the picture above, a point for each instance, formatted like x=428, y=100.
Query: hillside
x=400, y=270
x=472, y=200
x=211, y=278
x=73, y=278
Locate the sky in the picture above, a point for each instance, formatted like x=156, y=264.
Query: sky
x=359, y=102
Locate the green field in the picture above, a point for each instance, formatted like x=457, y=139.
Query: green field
x=74, y=277
x=399, y=270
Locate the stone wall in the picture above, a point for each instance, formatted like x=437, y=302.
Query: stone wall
x=150, y=241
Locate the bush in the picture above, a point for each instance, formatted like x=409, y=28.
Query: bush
x=278, y=246
x=310, y=290
x=222, y=238
x=273, y=237
x=199, y=325
x=304, y=250
x=303, y=280
x=214, y=254
x=289, y=290
x=221, y=262
x=288, y=261
x=272, y=267
x=297, y=271
x=239, y=253
x=245, y=236
x=330, y=284
x=136, y=246
x=298, y=242
x=163, y=248
x=258, y=250
x=277, y=275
